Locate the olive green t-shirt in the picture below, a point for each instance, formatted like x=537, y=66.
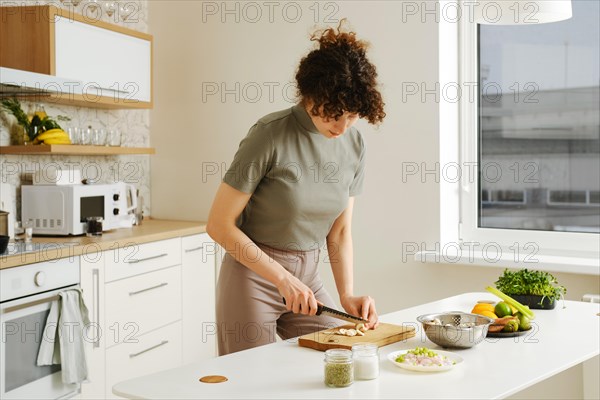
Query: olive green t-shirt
x=300, y=180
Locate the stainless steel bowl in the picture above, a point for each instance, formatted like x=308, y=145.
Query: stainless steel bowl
x=455, y=329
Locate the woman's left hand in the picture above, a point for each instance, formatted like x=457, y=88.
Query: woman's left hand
x=363, y=306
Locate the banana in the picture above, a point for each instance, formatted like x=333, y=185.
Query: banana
x=52, y=133
x=58, y=140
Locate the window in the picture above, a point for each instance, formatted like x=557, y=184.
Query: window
x=539, y=124
x=531, y=130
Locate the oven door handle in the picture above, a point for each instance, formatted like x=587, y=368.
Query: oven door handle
x=31, y=304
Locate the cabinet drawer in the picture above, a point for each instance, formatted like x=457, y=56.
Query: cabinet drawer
x=155, y=351
x=142, y=303
x=140, y=258
x=199, y=245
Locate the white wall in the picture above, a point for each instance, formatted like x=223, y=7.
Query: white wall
x=196, y=133
x=193, y=134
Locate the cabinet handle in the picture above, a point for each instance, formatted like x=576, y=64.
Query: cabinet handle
x=150, y=288
x=146, y=259
x=194, y=249
x=96, y=286
x=31, y=304
x=149, y=348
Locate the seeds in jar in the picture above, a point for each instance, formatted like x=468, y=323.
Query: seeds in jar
x=338, y=375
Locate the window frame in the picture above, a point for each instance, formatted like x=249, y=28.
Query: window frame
x=459, y=208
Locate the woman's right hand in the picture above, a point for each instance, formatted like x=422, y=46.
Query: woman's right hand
x=298, y=297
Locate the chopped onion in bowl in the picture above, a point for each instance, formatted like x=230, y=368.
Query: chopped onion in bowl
x=424, y=357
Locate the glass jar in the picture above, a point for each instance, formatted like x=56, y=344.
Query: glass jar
x=366, y=361
x=339, y=368
x=40, y=111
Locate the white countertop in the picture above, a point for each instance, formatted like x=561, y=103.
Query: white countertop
x=560, y=339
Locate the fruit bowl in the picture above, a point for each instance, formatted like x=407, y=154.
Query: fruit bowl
x=455, y=329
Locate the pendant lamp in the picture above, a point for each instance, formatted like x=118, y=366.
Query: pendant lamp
x=521, y=12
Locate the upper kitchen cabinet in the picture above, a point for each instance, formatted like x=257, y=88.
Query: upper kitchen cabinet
x=82, y=61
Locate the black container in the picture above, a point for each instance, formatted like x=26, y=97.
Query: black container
x=94, y=226
x=3, y=243
x=533, y=301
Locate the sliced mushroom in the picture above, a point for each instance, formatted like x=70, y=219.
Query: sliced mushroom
x=360, y=327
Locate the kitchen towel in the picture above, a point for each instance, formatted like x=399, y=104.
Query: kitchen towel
x=68, y=318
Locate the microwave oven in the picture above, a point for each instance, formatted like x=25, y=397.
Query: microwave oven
x=63, y=209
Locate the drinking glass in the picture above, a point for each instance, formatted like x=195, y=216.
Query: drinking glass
x=93, y=5
x=28, y=228
x=114, y=137
x=85, y=136
x=99, y=137
x=74, y=135
x=109, y=8
x=94, y=226
x=19, y=232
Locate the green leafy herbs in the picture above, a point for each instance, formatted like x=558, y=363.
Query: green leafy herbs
x=14, y=107
x=36, y=125
x=526, y=282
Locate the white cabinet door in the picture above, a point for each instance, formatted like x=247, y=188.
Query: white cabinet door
x=92, y=286
x=198, y=285
x=117, y=63
x=155, y=351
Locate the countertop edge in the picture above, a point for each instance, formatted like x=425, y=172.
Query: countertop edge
x=63, y=247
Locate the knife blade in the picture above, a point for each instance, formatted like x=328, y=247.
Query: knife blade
x=324, y=310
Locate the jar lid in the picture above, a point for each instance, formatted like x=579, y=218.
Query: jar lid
x=338, y=354
x=365, y=348
x=364, y=345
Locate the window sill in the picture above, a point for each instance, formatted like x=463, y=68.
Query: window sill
x=583, y=263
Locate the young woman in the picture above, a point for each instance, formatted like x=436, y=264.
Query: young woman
x=289, y=190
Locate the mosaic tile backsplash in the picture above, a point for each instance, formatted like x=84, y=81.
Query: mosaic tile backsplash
x=134, y=125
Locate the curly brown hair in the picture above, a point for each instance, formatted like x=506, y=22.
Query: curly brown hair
x=338, y=77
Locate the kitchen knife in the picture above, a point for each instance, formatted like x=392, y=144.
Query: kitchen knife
x=324, y=310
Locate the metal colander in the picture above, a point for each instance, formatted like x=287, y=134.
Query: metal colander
x=455, y=329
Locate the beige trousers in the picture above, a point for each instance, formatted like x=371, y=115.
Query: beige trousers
x=250, y=310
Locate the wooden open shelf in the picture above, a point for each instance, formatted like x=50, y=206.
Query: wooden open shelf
x=74, y=149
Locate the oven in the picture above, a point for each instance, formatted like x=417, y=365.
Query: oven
x=26, y=296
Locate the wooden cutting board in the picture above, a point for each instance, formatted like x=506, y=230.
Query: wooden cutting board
x=384, y=334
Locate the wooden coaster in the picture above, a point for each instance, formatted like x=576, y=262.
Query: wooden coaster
x=213, y=379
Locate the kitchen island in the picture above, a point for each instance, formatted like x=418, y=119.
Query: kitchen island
x=559, y=339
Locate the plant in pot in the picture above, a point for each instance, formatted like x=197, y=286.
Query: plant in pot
x=536, y=289
x=33, y=126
